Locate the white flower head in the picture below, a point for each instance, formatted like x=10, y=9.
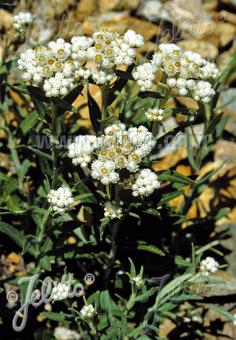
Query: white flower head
x=112, y=211
x=104, y=171
x=62, y=333
x=60, y=291
x=87, y=311
x=145, y=75
x=60, y=199
x=145, y=184
x=80, y=151
x=133, y=39
x=208, y=266
x=155, y=114
x=22, y=20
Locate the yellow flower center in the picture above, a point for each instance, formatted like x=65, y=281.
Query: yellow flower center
x=109, y=51
x=98, y=58
x=135, y=157
x=61, y=51
x=111, y=154
x=98, y=46
x=103, y=152
x=104, y=171
x=50, y=61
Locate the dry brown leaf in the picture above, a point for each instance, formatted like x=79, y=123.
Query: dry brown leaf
x=225, y=32
x=171, y=160
x=6, y=19
x=225, y=151
x=85, y=8
x=206, y=49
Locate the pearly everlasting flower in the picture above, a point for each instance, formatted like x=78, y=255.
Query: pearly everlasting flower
x=87, y=311
x=145, y=184
x=60, y=291
x=145, y=75
x=80, y=46
x=118, y=148
x=209, y=71
x=80, y=151
x=50, y=67
x=137, y=280
x=184, y=70
x=208, y=266
x=112, y=211
x=62, y=333
x=60, y=199
x=203, y=91
x=155, y=114
x=104, y=171
x=22, y=20
x=84, y=57
x=133, y=39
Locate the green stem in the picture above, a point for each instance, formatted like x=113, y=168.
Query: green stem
x=155, y=128
x=15, y=158
x=104, y=91
x=54, y=149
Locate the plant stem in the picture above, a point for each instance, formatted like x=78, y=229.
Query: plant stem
x=155, y=128
x=54, y=149
x=104, y=91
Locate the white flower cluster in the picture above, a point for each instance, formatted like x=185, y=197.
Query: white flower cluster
x=210, y=71
x=185, y=71
x=63, y=333
x=22, y=20
x=155, y=114
x=87, y=311
x=60, y=199
x=137, y=280
x=144, y=75
x=208, y=266
x=145, y=184
x=112, y=211
x=81, y=150
x=60, y=291
x=60, y=66
x=50, y=67
x=117, y=149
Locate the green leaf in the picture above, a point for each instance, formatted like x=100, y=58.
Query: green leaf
x=15, y=235
x=132, y=268
x=119, y=85
x=104, y=223
x=170, y=196
x=222, y=213
x=106, y=302
x=151, y=248
x=146, y=295
x=151, y=94
x=174, y=176
x=59, y=317
x=222, y=312
x=94, y=112
x=124, y=75
x=152, y=211
x=29, y=122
